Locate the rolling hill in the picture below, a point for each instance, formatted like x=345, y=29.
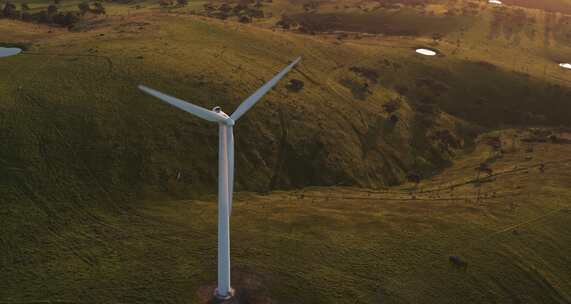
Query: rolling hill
x=107, y=193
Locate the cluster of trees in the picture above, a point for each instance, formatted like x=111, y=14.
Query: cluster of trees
x=303, y=26
x=245, y=10
x=287, y=23
x=311, y=6
x=85, y=7
x=169, y=3
x=50, y=14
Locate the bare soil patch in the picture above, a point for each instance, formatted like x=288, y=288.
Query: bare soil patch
x=249, y=289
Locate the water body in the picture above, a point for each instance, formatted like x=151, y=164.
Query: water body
x=6, y=52
x=426, y=52
x=497, y=2
x=565, y=65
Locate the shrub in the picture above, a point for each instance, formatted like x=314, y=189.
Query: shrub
x=225, y=8
x=27, y=16
x=52, y=9
x=245, y=19
x=295, y=85
x=41, y=16
x=312, y=5
x=256, y=13
x=83, y=7
x=368, y=73
x=66, y=19
x=98, y=8
x=286, y=22
x=391, y=106
x=9, y=10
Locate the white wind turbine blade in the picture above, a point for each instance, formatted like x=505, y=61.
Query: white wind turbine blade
x=251, y=101
x=185, y=106
x=231, y=169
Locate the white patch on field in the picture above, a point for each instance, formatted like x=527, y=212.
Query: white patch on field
x=426, y=52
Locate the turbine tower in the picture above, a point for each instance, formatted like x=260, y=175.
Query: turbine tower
x=225, y=166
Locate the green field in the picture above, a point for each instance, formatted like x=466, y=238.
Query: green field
x=317, y=245
x=107, y=195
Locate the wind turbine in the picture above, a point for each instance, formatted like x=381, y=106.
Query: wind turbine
x=225, y=166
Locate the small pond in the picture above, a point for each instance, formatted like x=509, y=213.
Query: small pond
x=496, y=2
x=565, y=65
x=9, y=51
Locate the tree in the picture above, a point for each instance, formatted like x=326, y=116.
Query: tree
x=295, y=85
x=25, y=7
x=484, y=168
x=9, y=10
x=52, y=9
x=244, y=19
x=312, y=5
x=207, y=7
x=437, y=37
x=66, y=19
x=224, y=7
x=414, y=177
x=255, y=13
x=286, y=22
x=27, y=16
x=83, y=7
x=182, y=2
x=42, y=17
x=99, y=9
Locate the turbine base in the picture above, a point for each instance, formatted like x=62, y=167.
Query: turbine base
x=229, y=296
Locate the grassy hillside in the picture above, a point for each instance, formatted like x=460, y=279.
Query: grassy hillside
x=106, y=193
x=319, y=245
x=110, y=129
x=370, y=112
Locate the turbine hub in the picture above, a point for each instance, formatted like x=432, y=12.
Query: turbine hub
x=218, y=110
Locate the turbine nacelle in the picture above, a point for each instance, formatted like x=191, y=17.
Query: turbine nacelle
x=228, y=121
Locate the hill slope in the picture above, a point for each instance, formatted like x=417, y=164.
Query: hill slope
x=95, y=177
x=319, y=245
x=103, y=129
x=371, y=111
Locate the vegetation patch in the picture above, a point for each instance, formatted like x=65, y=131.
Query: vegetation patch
x=359, y=89
x=23, y=46
x=562, y=6
x=51, y=14
x=402, y=23
x=243, y=11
